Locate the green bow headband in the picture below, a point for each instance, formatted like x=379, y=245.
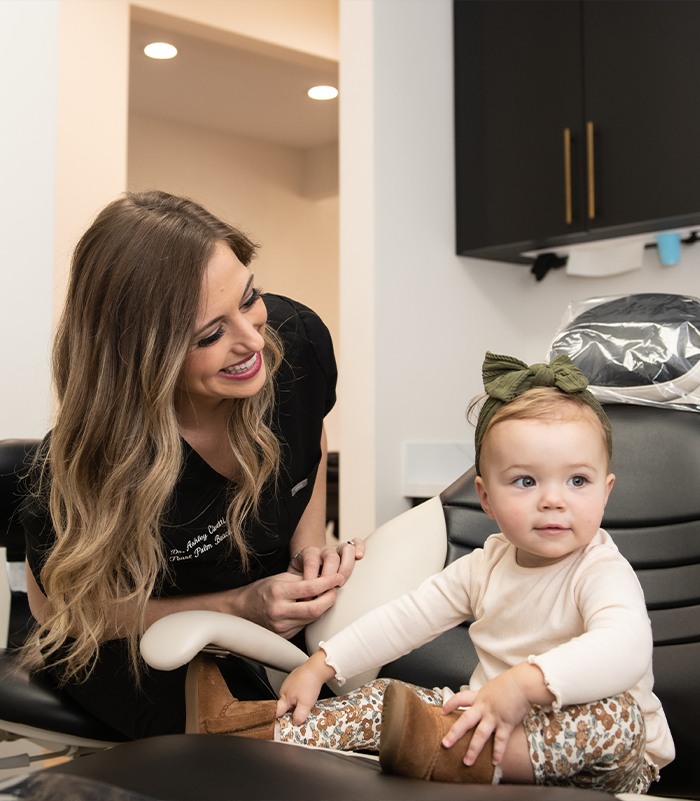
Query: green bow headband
x=506, y=377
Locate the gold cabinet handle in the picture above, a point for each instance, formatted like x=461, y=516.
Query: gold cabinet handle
x=591, y=170
x=568, y=213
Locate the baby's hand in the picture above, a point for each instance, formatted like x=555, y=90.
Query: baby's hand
x=497, y=708
x=301, y=688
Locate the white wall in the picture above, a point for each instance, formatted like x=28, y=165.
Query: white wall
x=63, y=144
x=91, y=135
x=416, y=319
x=29, y=47
x=259, y=187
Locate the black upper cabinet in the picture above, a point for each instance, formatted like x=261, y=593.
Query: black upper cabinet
x=574, y=121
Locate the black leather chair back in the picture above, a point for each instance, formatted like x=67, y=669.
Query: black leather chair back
x=15, y=459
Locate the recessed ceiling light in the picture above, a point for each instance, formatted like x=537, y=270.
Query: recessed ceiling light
x=322, y=92
x=160, y=50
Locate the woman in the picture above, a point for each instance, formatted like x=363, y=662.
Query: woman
x=186, y=467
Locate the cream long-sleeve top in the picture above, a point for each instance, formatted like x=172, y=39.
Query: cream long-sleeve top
x=582, y=621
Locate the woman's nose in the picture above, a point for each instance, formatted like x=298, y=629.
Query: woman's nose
x=249, y=334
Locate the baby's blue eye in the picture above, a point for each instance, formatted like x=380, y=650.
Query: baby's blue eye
x=578, y=481
x=525, y=482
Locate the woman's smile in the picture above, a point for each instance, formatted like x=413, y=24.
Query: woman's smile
x=245, y=369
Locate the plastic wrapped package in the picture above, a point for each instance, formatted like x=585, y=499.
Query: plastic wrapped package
x=641, y=348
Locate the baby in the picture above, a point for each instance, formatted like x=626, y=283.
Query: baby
x=562, y=693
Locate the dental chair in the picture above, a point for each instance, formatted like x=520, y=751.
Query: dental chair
x=653, y=515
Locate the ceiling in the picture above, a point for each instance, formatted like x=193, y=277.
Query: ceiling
x=231, y=87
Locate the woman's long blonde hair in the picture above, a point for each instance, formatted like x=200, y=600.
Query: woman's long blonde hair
x=115, y=452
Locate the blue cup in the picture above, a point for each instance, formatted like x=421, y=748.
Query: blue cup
x=669, y=245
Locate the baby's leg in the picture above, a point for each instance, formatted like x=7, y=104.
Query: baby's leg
x=599, y=746
x=516, y=767
x=350, y=722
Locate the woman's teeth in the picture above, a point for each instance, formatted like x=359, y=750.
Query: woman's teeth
x=242, y=367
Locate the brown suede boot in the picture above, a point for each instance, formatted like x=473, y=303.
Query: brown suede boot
x=411, y=742
x=211, y=709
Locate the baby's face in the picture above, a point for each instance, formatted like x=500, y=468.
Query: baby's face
x=546, y=483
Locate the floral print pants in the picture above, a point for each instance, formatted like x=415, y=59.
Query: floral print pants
x=599, y=745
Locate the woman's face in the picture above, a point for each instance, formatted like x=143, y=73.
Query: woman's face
x=225, y=357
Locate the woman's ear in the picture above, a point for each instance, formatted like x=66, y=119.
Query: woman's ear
x=484, y=497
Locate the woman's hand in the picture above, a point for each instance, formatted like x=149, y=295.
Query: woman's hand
x=283, y=603
x=301, y=688
x=497, y=708
x=286, y=602
x=313, y=561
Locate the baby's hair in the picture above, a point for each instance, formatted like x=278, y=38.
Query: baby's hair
x=545, y=403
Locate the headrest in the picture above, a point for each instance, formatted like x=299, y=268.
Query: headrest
x=642, y=349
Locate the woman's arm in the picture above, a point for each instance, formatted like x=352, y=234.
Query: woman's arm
x=38, y=604
x=311, y=529
x=310, y=555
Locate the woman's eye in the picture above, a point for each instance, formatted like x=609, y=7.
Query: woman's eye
x=578, y=481
x=211, y=339
x=252, y=299
x=525, y=482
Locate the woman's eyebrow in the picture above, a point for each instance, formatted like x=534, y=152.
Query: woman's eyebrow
x=221, y=316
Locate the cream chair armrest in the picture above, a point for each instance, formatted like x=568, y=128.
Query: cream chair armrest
x=399, y=555
x=175, y=639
